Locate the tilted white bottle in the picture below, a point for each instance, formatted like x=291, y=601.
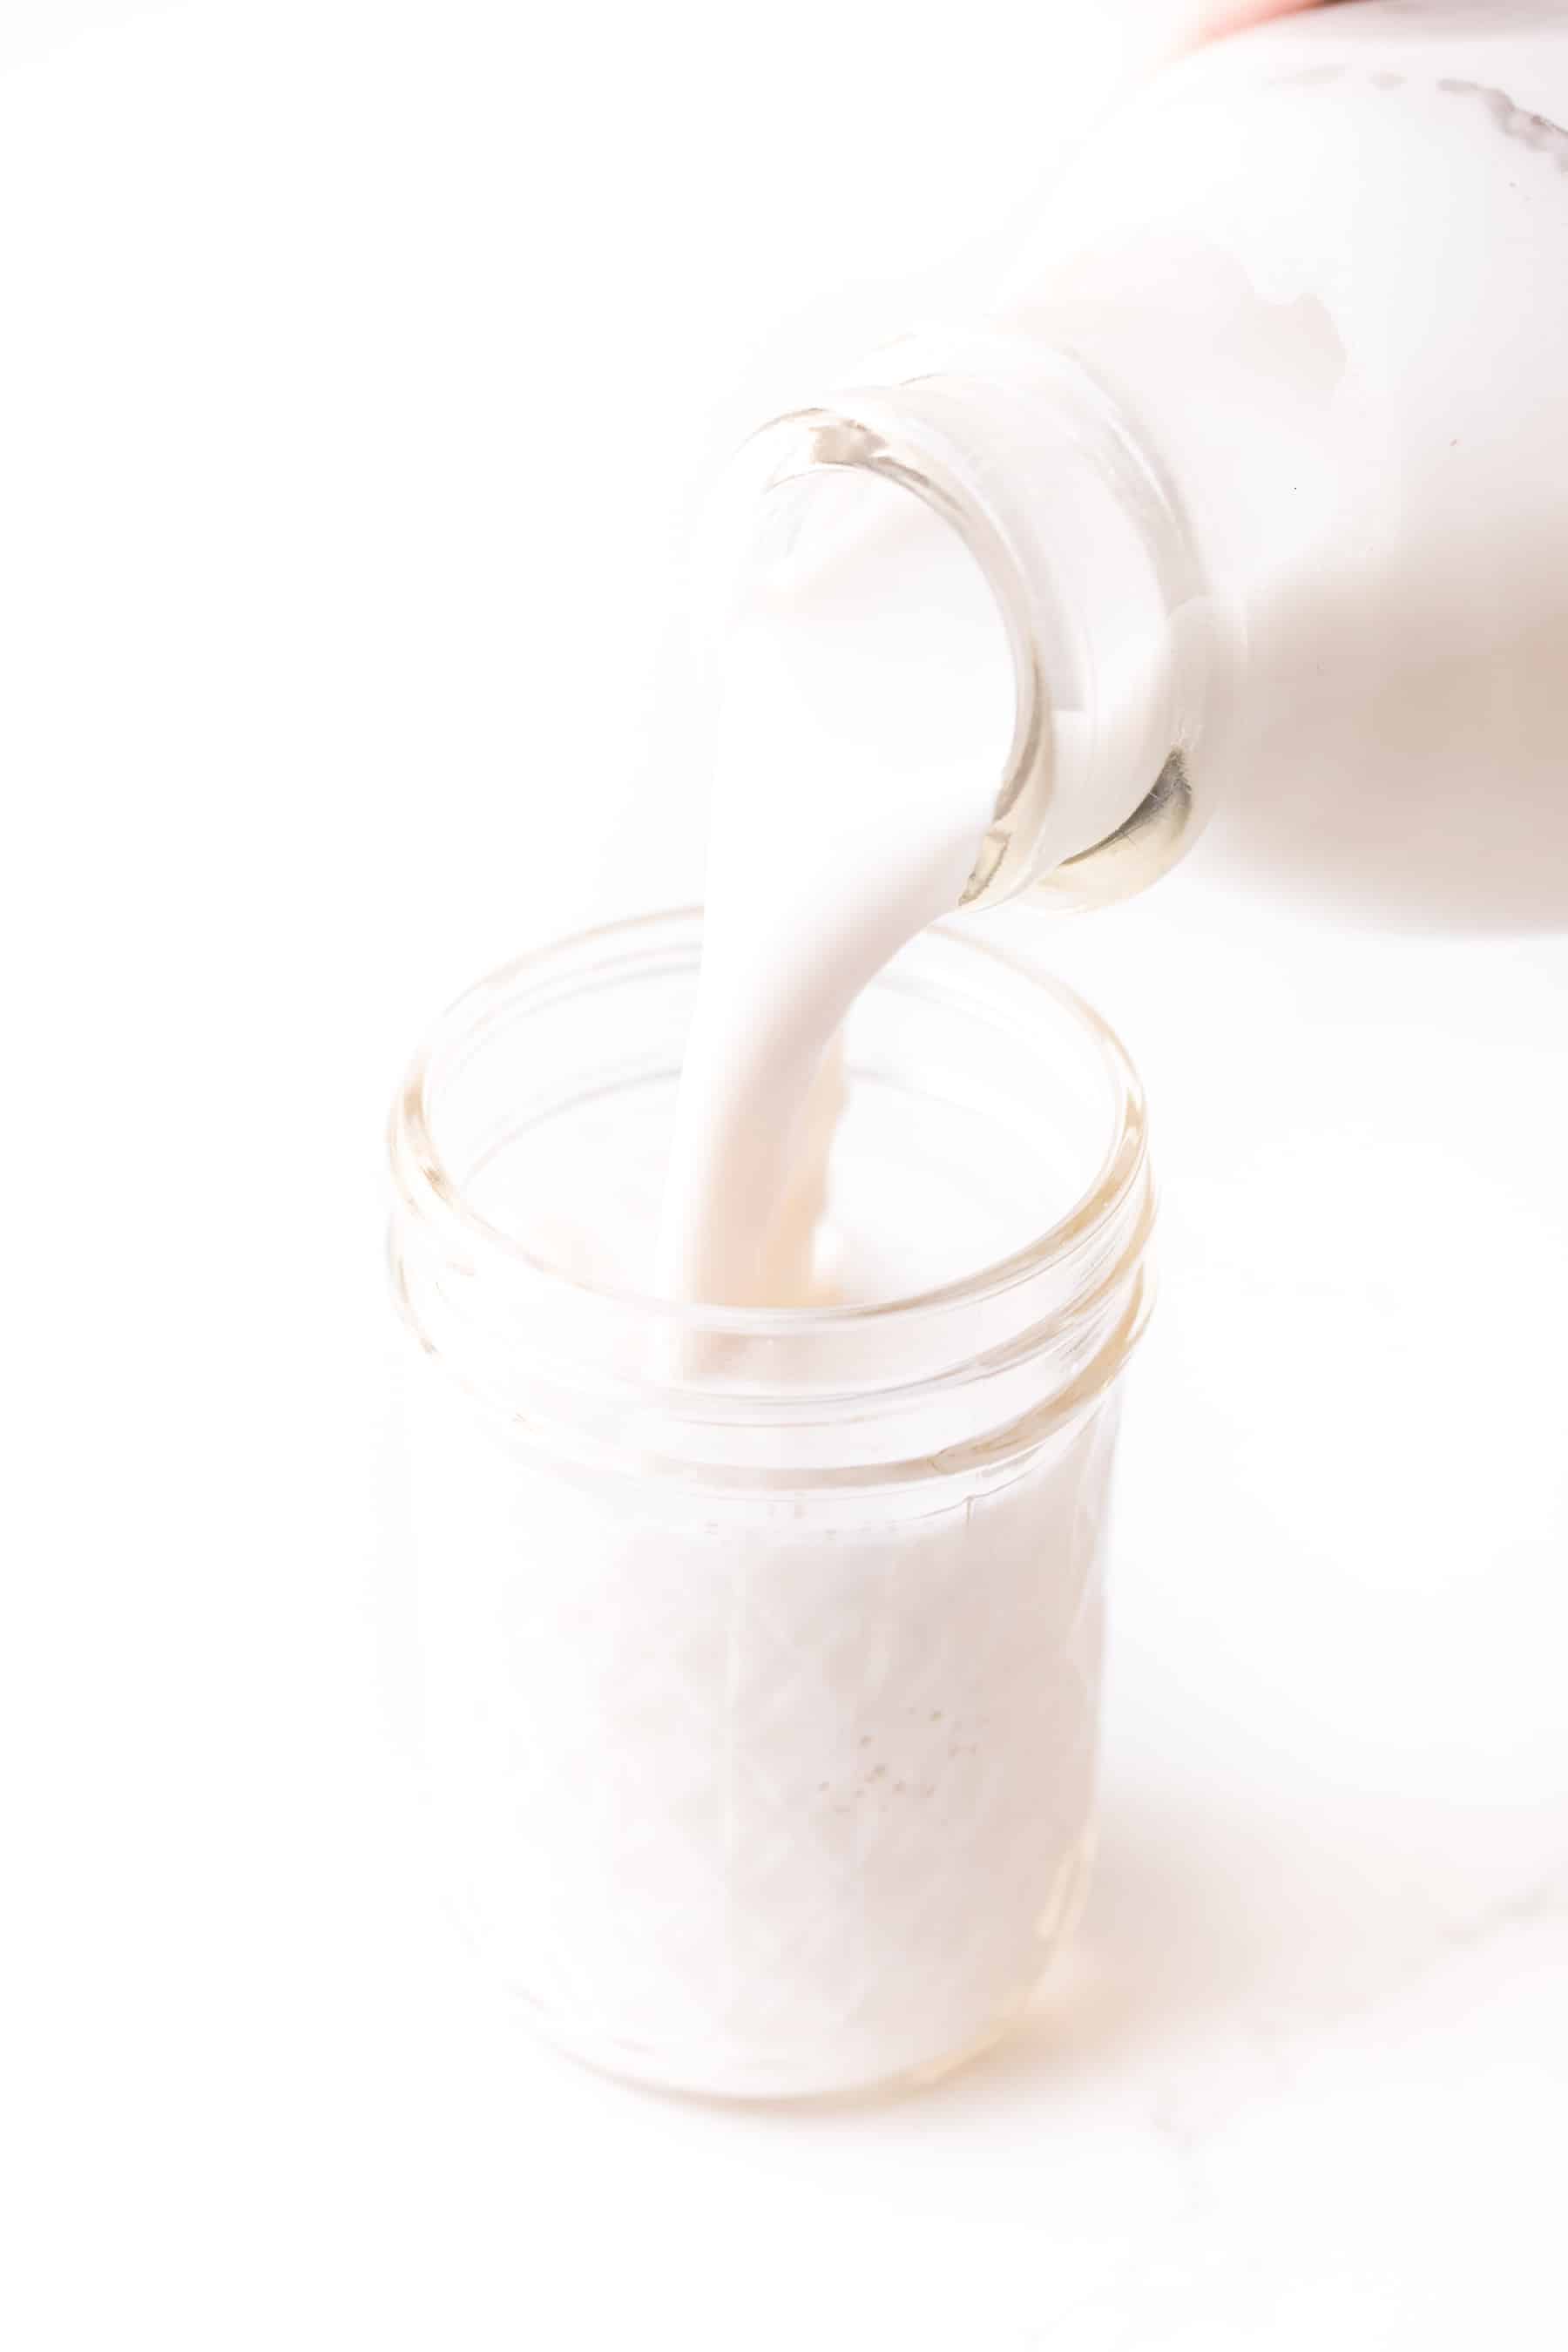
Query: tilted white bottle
x=1263, y=451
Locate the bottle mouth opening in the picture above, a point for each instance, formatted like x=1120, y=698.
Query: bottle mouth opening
x=814, y=442
x=1120, y=656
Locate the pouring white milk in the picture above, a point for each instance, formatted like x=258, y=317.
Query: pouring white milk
x=762, y=1678
x=867, y=703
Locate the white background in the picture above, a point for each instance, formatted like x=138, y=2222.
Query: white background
x=359, y=365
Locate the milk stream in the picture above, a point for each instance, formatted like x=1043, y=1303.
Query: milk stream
x=866, y=705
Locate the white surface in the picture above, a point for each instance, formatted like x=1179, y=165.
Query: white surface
x=344, y=347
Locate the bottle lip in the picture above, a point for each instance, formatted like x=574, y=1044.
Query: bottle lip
x=425, y=1187
x=874, y=430
x=1027, y=456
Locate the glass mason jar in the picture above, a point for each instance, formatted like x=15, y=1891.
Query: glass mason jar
x=760, y=1649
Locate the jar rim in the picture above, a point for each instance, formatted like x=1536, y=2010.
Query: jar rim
x=425, y=1183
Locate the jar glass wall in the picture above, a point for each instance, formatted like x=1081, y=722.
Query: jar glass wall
x=760, y=1648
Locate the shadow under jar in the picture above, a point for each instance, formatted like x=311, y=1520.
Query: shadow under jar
x=760, y=1649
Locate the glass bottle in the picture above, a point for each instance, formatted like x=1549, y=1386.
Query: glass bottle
x=1260, y=449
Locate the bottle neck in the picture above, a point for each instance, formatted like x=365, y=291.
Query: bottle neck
x=1119, y=650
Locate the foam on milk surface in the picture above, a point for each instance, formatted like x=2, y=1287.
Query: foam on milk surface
x=866, y=709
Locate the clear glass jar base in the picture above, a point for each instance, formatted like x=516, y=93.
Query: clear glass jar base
x=823, y=2079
